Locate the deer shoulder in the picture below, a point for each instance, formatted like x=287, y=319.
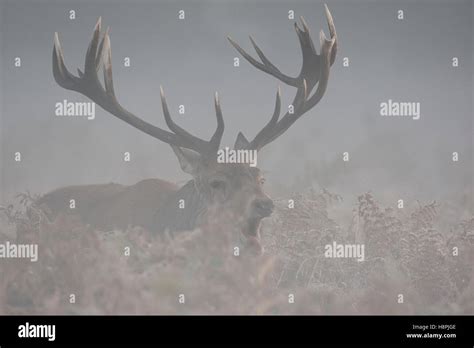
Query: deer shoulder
x=109, y=206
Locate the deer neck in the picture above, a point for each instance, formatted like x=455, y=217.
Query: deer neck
x=183, y=211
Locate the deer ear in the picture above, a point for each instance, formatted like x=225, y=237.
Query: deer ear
x=188, y=159
x=241, y=142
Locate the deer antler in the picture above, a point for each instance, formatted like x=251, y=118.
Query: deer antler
x=314, y=70
x=87, y=83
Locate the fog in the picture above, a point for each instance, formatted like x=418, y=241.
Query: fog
x=407, y=60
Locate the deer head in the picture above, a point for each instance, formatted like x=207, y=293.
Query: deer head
x=237, y=187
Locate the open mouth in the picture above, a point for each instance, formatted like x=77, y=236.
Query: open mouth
x=250, y=236
x=251, y=228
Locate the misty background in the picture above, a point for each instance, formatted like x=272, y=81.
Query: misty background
x=395, y=157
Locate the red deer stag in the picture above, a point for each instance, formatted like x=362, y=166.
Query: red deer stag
x=153, y=203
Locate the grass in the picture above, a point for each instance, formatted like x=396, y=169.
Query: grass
x=407, y=253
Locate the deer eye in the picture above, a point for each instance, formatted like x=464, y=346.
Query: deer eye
x=217, y=184
x=262, y=181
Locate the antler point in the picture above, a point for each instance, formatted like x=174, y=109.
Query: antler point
x=56, y=39
x=305, y=25
x=322, y=37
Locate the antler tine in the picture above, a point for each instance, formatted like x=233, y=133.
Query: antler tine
x=315, y=70
x=304, y=104
x=306, y=43
x=267, y=66
x=91, y=55
x=301, y=102
x=326, y=56
x=310, y=57
x=62, y=76
x=219, y=132
x=332, y=33
x=108, y=76
x=207, y=146
x=198, y=143
x=99, y=54
x=275, y=129
x=264, y=133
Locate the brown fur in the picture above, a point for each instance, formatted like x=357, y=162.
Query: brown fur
x=109, y=206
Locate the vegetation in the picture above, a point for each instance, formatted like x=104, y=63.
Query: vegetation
x=405, y=253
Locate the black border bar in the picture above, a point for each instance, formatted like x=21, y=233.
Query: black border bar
x=261, y=330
